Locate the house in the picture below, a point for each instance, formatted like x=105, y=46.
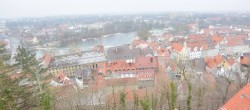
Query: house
x=73, y=62
x=237, y=46
x=244, y=63
x=213, y=64
x=219, y=65
x=120, y=69
x=46, y=60
x=146, y=67
x=163, y=52
x=179, y=51
x=245, y=60
x=217, y=38
x=240, y=101
x=143, y=68
x=195, y=52
x=60, y=79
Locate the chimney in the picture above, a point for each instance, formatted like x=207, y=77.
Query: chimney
x=241, y=57
x=151, y=59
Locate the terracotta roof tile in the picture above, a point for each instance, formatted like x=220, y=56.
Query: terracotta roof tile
x=47, y=59
x=146, y=62
x=245, y=60
x=61, y=78
x=240, y=101
x=177, y=47
x=230, y=60
x=218, y=59
x=217, y=38
x=212, y=62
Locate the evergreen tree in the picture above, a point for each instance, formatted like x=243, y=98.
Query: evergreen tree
x=12, y=94
x=33, y=68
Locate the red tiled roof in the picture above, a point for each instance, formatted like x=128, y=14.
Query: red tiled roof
x=147, y=61
x=218, y=59
x=177, y=47
x=240, y=101
x=47, y=59
x=230, y=60
x=120, y=65
x=162, y=52
x=245, y=60
x=212, y=62
x=234, y=41
x=217, y=38
x=61, y=78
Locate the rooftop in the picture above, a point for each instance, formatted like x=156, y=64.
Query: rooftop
x=240, y=101
x=78, y=59
x=126, y=52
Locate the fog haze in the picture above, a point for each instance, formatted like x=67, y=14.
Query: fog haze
x=38, y=8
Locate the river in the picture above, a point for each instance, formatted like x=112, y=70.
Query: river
x=84, y=45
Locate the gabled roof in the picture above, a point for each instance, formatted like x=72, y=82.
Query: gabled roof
x=218, y=59
x=240, y=101
x=47, y=59
x=217, y=38
x=177, y=47
x=212, y=62
x=61, y=78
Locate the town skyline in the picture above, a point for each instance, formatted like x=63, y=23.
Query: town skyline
x=35, y=8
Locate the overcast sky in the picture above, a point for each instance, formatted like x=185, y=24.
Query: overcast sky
x=39, y=8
